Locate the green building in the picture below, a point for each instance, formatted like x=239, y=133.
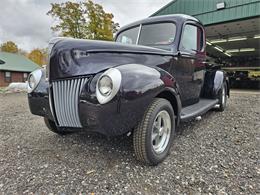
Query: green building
x=232, y=29
x=14, y=68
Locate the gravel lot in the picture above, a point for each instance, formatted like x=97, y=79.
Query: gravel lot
x=216, y=155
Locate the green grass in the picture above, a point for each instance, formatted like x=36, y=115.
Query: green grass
x=2, y=89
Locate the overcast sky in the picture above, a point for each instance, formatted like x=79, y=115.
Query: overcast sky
x=25, y=21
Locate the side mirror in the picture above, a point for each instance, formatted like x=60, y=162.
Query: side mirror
x=184, y=54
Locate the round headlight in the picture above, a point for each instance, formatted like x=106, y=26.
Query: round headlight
x=105, y=85
x=34, y=79
x=31, y=81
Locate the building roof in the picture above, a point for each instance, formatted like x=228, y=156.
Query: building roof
x=208, y=13
x=224, y=20
x=16, y=62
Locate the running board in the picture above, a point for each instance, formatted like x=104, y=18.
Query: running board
x=197, y=109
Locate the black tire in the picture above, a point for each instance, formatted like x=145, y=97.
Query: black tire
x=222, y=98
x=142, y=137
x=52, y=126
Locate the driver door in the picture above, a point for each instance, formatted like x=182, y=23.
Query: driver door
x=190, y=68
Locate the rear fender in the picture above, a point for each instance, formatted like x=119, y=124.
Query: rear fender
x=213, y=82
x=218, y=81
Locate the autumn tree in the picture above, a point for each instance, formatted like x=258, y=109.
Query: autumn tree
x=83, y=20
x=38, y=56
x=70, y=19
x=100, y=24
x=10, y=47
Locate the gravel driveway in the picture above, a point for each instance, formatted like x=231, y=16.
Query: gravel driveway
x=216, y=155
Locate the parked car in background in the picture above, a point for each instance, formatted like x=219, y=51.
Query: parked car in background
x=243, y=77
x=153, y=77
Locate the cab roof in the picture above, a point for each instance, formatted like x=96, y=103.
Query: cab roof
x=177, y=18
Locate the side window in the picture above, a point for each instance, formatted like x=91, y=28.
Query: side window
x=157, y=34
x=192, y=38
x=129, y=36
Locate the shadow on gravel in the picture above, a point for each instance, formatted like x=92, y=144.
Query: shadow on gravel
x=186, y=128
x=110, y=148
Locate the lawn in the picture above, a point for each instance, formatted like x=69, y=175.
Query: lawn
x=2, y=89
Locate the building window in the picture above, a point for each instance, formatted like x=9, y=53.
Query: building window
x=8, y=76
x=25, y=76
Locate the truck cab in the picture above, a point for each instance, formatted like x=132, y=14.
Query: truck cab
x=185, y=39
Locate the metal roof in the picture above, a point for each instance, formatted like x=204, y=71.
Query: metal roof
x=224, y=21
x=16, y=62
x=208, y=13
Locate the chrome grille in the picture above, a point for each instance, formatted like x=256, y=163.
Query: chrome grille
x=65, y=101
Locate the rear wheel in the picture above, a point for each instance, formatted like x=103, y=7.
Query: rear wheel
x=52, y=126
x=154, y=135
x=222, y=97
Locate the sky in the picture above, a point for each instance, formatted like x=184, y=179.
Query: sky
x=25, y=21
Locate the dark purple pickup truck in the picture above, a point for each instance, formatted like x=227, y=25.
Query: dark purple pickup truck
x=146, y=82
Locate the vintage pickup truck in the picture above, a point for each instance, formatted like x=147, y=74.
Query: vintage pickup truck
x=153, y=77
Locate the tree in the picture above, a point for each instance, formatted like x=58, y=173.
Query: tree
x=45, y=56
x=70, y=18
x=38, y=56
x=100, y=24
x=83, y=20
x=10, y=47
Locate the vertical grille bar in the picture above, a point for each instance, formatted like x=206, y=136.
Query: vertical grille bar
x=66, y=99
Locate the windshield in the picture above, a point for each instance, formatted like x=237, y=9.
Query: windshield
x=150, y=35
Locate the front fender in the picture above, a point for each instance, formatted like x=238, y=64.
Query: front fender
x=140, y=85
x=38, y=99
x=139, y=80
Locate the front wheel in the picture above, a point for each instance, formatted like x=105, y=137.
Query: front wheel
x=154, y=135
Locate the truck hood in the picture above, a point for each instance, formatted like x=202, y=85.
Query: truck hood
x=74, y=57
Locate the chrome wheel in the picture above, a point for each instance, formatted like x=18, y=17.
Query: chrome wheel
x=222, y=98
x=223, y=95
x=161, y=131
x=155, y=133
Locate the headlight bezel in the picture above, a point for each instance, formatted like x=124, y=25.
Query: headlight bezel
x=116, y=78
x=36, y=76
